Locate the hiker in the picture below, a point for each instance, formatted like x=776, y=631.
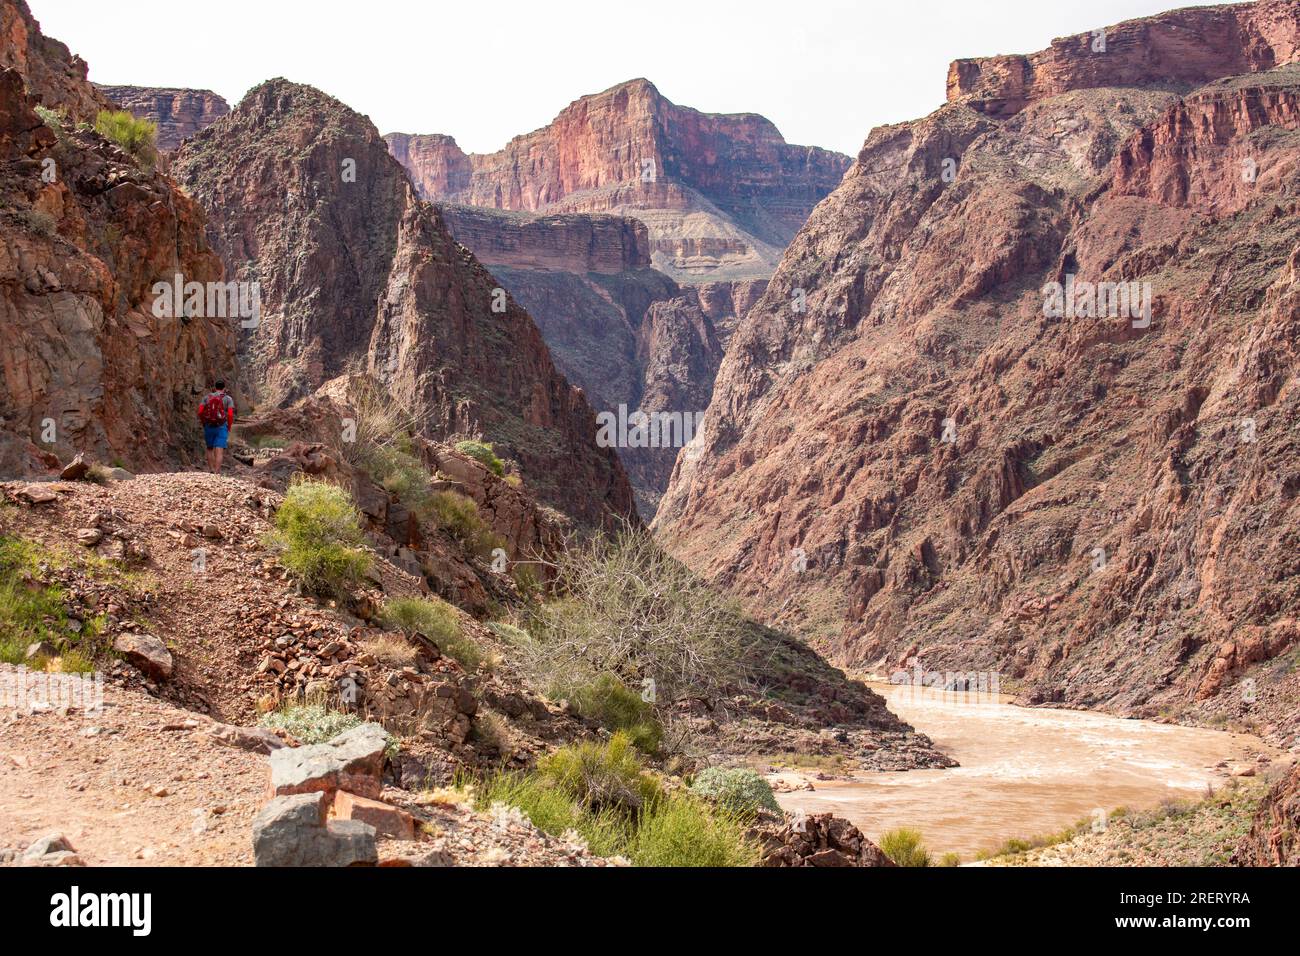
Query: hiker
x=217, y=413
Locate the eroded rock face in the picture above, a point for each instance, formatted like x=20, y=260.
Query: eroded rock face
x=54, y=75
x=1274, y=838
x=356, y=272
x=178, y=114
x=1179, y=49
x=721, y=195
x=922, y=462
x=86, y=233
x=623, y=331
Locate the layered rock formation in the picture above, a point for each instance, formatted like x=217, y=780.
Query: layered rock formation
x=178, y=114
x=1176, y=50
x=630, y=336
x=356, y=273
x=653, y=229
x=85, y=233
x=911, y=452
x=720, y=194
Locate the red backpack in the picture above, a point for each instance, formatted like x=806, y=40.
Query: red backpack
x=213, y=410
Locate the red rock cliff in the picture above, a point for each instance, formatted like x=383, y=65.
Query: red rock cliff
x=357, y=272
x=178, y=114
x=1097, y=508
x=85, y=363
x=1181, y=48
x=721, y=194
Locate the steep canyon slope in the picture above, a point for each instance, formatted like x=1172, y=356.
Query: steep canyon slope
x=357, y=274
x=637, y=233
x=622, y=330
x=85, y=233
x=911, y=454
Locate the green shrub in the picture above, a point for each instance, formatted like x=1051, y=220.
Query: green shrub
x=602, y=776
x=459, y=516
x=602, y=792
x=950, y=859
x=311, y=723
x=438, y=621
x=484, y=454
x=402, y=474
x=615, y=706
x=516, y=636
x=904, y=847
x=553, y=811
x=685, y=831
x=739, y=789
x=135, y=136
x=318, y=533
x=29, y=611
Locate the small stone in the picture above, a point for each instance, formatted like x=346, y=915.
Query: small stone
x=147, y=653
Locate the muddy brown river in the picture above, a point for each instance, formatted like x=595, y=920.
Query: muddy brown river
x=1024, y=771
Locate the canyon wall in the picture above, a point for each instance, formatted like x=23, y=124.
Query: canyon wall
x=86, y=363
x=721, y=195
x=178, y=114
x=358, y=274
x=630, y=208
x=627, y=334
x=912, y=455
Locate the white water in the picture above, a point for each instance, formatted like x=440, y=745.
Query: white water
x=1024, y=771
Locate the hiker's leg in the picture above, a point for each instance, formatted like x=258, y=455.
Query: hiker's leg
x=217, y=454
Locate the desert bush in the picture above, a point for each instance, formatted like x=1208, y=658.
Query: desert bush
x=39, y=222
x=684, y=831
x=904, y=847
x=510, y=633
x=615, y=706
x=318, y=535
x=135, y=136
x=459, y=516
x=313, y=722
x=438, y=621
x=483, y=453
x=602, y=776
x=29, y=611
x=554, y=812
x=738, y=789
x=950, y=859
x=630, y=610
x=391, y=650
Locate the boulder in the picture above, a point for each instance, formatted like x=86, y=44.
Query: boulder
x=147, y=653
x=387, y=820
x=46, y=845
x=294, y=831
x=76, y=469
x=352, y=761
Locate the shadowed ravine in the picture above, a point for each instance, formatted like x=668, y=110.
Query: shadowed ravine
x=1024, y=771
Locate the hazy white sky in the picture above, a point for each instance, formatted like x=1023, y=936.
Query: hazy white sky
x=825, y=71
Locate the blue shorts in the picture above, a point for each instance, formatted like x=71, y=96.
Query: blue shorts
x=215, y=435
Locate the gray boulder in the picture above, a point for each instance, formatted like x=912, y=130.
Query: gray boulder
x=352, y=761
x=294, y=831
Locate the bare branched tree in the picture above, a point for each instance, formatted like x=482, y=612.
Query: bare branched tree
x=627, y=608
